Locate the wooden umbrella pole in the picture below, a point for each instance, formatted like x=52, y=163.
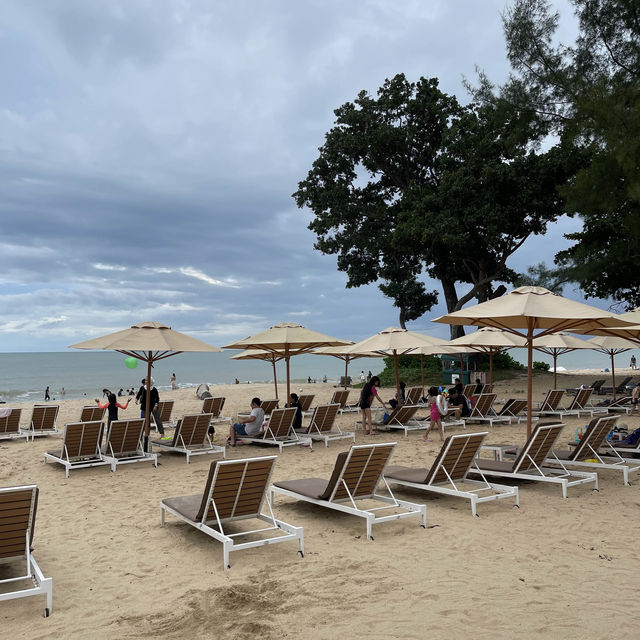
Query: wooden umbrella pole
x=346, y=371
x=288, y=374
x=555, y=368
x=490, y=365
x=395, y=362
x=613, y=375
x=422, y=374
x=529, y=374
x=275, y=377
x=147, y=404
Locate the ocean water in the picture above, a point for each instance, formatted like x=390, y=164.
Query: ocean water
x=25, y=376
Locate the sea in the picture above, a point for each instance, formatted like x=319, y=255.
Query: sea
x=25, y=376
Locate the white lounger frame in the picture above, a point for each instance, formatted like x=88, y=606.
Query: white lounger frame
x=269, y=437
x=14, y=435
x=391, y=502
x=193, y=450
x=502, y=491
x=316, y=434
x=228, y=540
x=41, y=585
x=489, y=416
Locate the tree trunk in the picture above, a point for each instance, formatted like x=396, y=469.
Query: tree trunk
x=401, y=318
x=451, y=298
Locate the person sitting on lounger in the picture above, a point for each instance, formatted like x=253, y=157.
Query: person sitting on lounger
x=294, y=401
x=394, y=402
x=459, y=404
x=249, y=426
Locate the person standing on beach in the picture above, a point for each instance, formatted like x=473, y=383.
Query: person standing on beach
x=174, y=384
x=63, y=392
x=111, y=405
x=434, y=414
x=635, y=399
x=632, y=364
x=362, y=376
x=154, y=398
x=46, y=394
x=368, y=393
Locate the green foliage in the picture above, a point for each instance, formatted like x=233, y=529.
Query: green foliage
x=503, y=360
x=540, y=275
x=540, y=366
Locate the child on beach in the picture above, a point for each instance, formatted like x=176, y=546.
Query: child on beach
x=434, y=414
x=111, y=405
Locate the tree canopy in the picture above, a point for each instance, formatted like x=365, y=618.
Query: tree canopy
x=411, y=182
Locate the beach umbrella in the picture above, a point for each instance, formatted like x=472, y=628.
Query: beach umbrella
x=149, y=342
x=289, y=339
x=612, y=346
x=527, y=310
x=556, y=344
x=343, y=353
x=489, y=340
x=395, y=342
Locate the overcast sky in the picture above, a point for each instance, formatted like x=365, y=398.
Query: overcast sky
x=149, y=150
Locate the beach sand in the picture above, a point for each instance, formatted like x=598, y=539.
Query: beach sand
x=554, y=568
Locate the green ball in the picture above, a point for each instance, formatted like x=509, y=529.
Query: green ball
x=131, y=363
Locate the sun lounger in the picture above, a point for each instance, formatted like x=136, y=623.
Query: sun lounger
x=514, y=409
x=10, y=424
x=191, y=437
x=18, y=507
x=582, y=403
x=550, y=406
x=413, y=395
x=354, y=406
x=91, y=413
x=165, y=408
x=80, y=447
x=214, y=406
x=355, y=476
x=468, y=391
x=402, y=417
x=595, y=386
x=450, y=470
x=43, y=420
x=267, y=406
x=305, y=403
x=322, y=425
x=235, y=490
x=621, y=405
x=124, y=444
x=483, y=410
x=529, y=464
x=278, y=431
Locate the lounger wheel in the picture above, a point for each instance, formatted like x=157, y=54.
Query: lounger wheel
x=516, y=506
x=301, y=553
x=47, y=613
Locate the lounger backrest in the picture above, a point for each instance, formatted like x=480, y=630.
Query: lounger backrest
x=402, y=415
x=268, y=406
x=594, y=437
x=11, y=423
x=236, y=487
x=281, y=421
x=324, y=417
x=620, y=402
x=597, y=384
x=483, y=405
x=413, y=395
x=581, y=399
x=506, y=408
x=165, y=407
x=468, y=391
x=517, y=407
x=552, y=400
x=305, y=401
x=82, y=439
x=18, y=506
x=360, y=469
x=455, y=458
x=621, y=387
x=91, y=413
x=340, y=397
x=125, y=437
x=192, y=430
x=44, y=417
x=213, y=406
x=538, y=446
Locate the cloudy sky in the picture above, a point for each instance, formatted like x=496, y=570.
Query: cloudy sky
x=149, y=150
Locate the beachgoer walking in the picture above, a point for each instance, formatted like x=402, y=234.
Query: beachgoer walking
x=154, y=398
x=368, y=393
x=434, y=414
x=249, y=426
x=111, y=405
x=632, y=364
x=174, y=384
x=46, y=394
x=362, y=377
x=63, y=392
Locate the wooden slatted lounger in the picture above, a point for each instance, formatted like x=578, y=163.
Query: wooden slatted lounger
x=340, y=398
x=10, y=425
x=414, y=395
x=355, y=476
x=278, y=431
x=91, y=413
x=449, y=469
x=513, y=409
x=125, y=444
x=402, y=418
x=266, y=405
x=191, y=437
x=322, y=425
x=43, y=420
x=214, y=406
x=483, y=410
x=80, y=447
x=550, y=405
x=18, y=507
x=305, y=403
x=235, y=490
x=165, y=407
x=529, y=464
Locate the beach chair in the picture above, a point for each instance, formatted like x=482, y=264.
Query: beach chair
x=80, y=447
x=482, y=410
x=235, y=490
x=402, y=417
x=278, y=431
x=322, y=425
x=267, y=406
x=413, y=395
x=448, y=474
x=214, y=406
x=125, y=444
x=10, y=424
x=595, y=386
x=18, y=507
x=585, y=453
x=621, y=388
x=514, y=409
x=43, y=420
x=355, y=476
x=191, y=437
x=582, y=403
x=529, y=463
x=91, y=413
x=468, y=391
x=165, y=408
x=354, y=406
x=340, y=398
x=621, y=405
x=305, y=403
x=550, y=406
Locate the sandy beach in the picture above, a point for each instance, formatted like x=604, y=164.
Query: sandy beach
x=554, y=568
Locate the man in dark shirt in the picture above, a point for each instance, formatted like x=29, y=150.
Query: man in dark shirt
x=460, y=403
x=154, y=398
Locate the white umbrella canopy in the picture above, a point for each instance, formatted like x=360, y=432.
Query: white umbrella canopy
x=147, y=341
x=289, y=339
x=556, y=344
x=343, y=353
x=526, y=310
x=612, y=346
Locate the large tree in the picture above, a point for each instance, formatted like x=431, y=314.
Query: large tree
x=411, y=181
x=589, y=94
